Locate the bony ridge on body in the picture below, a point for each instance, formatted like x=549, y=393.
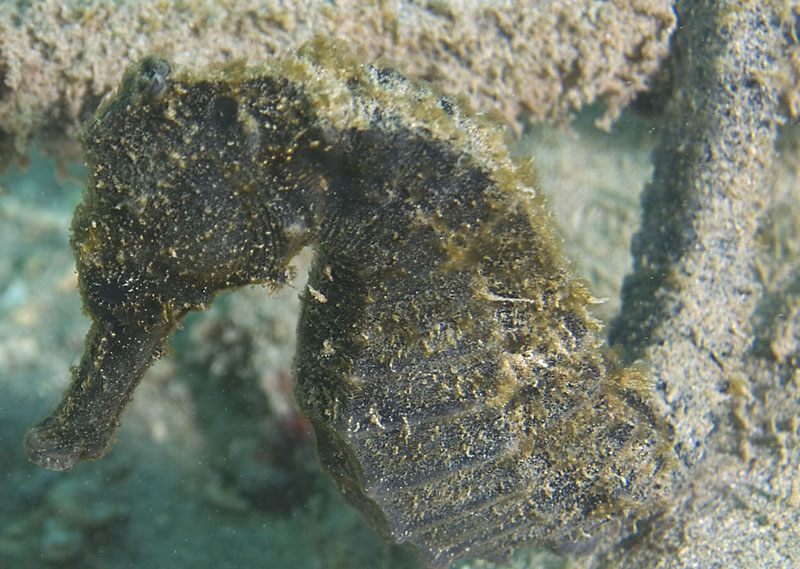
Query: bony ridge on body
x=458, y=387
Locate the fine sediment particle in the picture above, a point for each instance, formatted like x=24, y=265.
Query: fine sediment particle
x=458, y=387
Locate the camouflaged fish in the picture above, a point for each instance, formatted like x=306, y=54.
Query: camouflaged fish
x=458, y=387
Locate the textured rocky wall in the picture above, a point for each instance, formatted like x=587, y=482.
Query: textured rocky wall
x=58, y=59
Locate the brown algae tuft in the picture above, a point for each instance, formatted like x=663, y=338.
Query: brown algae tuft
x=458, y=388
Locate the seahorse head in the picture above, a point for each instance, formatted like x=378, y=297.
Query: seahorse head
x=170, y=217
x=174, y=211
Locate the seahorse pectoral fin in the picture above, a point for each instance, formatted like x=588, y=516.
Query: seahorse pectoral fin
x=82, y=426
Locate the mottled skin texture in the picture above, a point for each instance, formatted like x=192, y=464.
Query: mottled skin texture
x=456, y=383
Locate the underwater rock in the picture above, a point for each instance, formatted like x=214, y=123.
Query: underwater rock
x=58, y=58
x=458, y=388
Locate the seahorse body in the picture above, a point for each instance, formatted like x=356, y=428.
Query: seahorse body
x=456, y=383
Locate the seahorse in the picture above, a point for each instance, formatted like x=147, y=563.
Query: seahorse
x=458, y=386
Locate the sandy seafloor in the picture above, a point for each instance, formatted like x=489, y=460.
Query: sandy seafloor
x=213, y=469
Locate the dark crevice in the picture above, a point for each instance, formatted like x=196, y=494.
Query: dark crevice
x=5, y=90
